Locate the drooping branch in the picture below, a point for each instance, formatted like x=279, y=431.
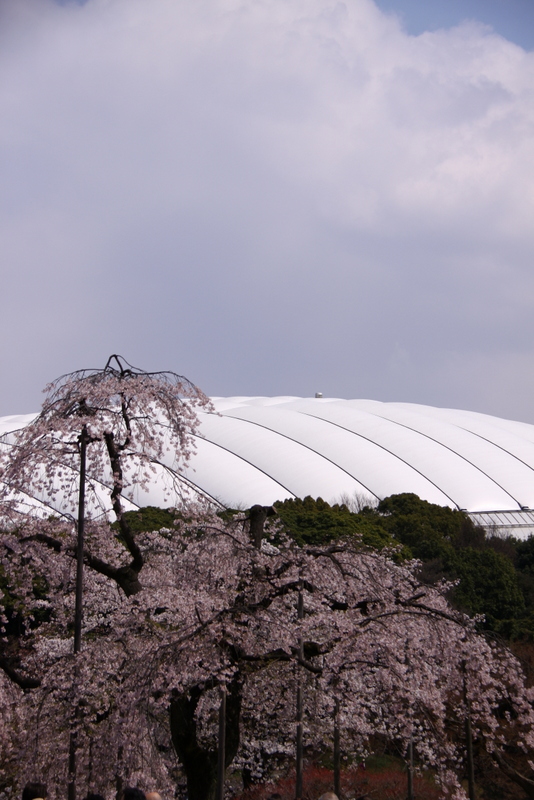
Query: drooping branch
x=128, y=413
x=11, y=668
x=44, y=538
x=262, y=660
x=527, y=784
x=126, y=576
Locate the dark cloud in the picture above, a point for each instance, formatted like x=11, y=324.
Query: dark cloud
x=275, y=198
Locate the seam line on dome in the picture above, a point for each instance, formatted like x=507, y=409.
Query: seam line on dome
x=500, y=447
x=307, y=447
x=227, y=450
x=195, y=486
x=385, y=449
x=451, y=450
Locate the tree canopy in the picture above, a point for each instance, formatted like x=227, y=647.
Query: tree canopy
x=183, y=603
x=216, y=610
x=493, y=577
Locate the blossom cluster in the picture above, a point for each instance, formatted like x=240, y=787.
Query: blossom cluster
x=172, y=617
x=216, y=611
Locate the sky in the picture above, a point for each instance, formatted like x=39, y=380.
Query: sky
x=271, y=197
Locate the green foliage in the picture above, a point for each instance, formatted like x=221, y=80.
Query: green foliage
x=316, y=522
x=429, y=530
x=447, y=543
x=488, y=585
x=452, y=547
x=149, y=518
x=524, y=556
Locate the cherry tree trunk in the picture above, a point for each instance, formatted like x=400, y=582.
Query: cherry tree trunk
x=199, y=763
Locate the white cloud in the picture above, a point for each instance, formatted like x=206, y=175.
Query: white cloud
x=227, y=173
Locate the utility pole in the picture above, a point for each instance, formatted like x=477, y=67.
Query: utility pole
x=410, y=769
x=78, y=609
x=300, y=745
x=469, y=741
x=221, y=754
x=337, y=750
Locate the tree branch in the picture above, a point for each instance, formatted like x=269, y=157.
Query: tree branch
x=527, y=784
x=23, y=681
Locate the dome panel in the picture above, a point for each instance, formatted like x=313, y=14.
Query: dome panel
x=299, y=468
x=262, y=449
x=458, y=479
x=364, y=460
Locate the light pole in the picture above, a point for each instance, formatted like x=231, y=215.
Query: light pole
x=78, y=608
x=221, y=755
x=300, y=744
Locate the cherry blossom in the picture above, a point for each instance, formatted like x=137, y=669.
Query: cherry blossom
x=172, y=616
x=216, y=610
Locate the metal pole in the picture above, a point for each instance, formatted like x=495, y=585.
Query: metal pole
x=469, y=741
x=78, y=608
x=221, y=755
x=337, y=750
x=78, y=611
x=300, y=745
x=410, y=769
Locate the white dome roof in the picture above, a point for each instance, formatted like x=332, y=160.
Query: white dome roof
x=331, y=447
x=263, y=449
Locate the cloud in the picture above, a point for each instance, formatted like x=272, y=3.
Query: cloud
x=266, y=196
